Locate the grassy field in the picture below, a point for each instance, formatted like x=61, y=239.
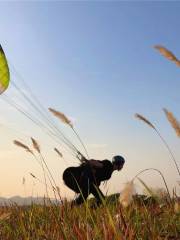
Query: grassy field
x=121, y=218
x=142, y=219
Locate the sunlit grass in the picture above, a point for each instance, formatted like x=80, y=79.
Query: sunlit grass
x=142, y=219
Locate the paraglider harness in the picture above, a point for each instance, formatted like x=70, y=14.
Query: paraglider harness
x=87, y=170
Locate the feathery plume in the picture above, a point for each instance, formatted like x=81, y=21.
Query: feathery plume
x=126, y=196
x=19, y=144
x=35, y=145
x=58, y=152
x=61, y=116
x=140, y=117
x=173, y=121
x=167, y=54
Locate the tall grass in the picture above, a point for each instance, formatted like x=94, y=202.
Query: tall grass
x=138, y=221
x=128, y=218
x=145, y=120
x=67, y=121
x=173, y=121
x=42, y=162
x=162, y=176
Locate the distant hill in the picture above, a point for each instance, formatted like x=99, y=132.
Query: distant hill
x=113, y=198
x=21, y=201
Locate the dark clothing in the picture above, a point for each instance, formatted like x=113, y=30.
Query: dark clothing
x=86, y=179
x=104, y=173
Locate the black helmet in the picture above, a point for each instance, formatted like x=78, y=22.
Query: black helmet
x=118, y=160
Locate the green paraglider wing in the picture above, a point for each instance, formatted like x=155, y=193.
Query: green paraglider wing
x=4, y=71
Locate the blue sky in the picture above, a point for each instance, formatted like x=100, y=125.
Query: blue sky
x=95, y=61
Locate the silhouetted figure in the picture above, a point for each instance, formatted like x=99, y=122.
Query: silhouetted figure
x=87, y=178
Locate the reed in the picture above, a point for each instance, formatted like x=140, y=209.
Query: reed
x=162, y=176
x=37, y=148
x=61, y=116
x=43, y=163
x=36, y=145
x=22, y=145
x=167, y=54
x=173, y=121
x=142, y=118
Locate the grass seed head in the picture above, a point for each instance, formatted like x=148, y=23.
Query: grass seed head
x=126, y=196
x=61, y=116
x=140, y=117
x=166, y=53
x=36, y=145
x=173, y=121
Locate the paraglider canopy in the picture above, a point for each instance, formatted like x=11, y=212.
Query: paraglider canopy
x=4, y=71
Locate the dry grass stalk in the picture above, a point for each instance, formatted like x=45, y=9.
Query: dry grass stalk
x=173, y=121
x=37, y=148
x=61, y=116
x=140, y=117
x=20, y=144
x=40, y=181
x=58, y=152
x=127, y=193
x=35, y=145
x=168, y=54
x=65, y=120
x=163, y=178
